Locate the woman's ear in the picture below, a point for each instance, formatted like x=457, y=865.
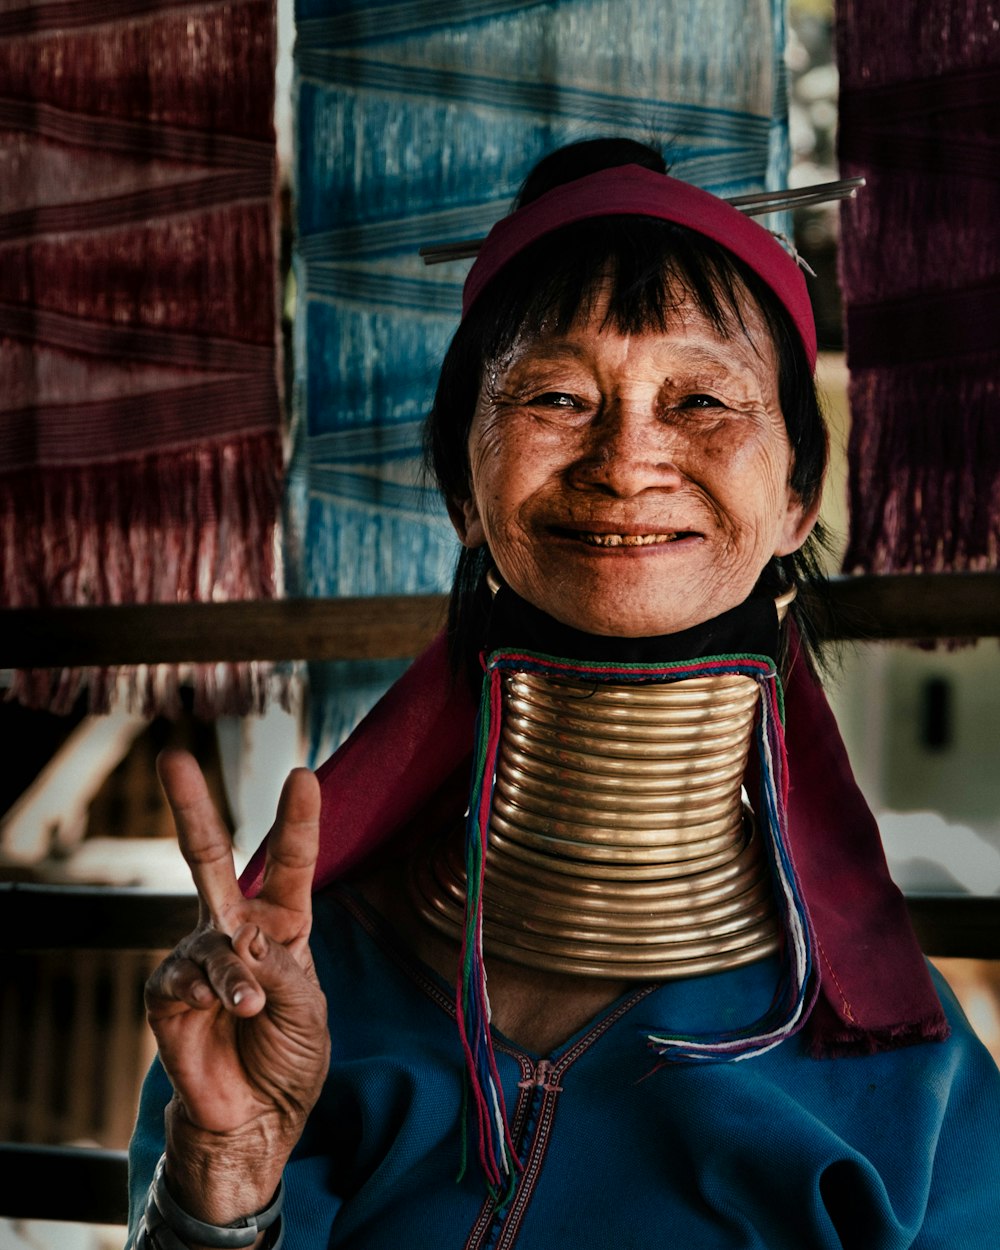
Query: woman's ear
x=466, y=520
x=797, y=523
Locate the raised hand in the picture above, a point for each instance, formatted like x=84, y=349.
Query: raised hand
x=239, y=1017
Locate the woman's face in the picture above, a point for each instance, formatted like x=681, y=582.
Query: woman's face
x=633, y=485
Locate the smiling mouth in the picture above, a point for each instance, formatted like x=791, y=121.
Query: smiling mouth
x=630, y=540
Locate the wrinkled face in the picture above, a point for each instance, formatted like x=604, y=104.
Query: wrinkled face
x=633, y=485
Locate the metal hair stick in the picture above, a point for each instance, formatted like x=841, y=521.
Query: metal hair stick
x=753, y=205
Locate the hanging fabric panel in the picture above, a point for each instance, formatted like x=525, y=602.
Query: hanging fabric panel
x=416, y=123
x=920, y=268
x=140, y=439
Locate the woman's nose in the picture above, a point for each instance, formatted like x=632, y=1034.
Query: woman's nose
x=628, y=452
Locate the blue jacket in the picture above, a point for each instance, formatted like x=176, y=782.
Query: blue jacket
x=778, y=1152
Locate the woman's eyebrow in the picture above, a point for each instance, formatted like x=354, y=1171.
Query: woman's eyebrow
x=722, y=363
x=545, y=349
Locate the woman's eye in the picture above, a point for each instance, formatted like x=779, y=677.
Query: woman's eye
x=553, y=399
x=700, y=400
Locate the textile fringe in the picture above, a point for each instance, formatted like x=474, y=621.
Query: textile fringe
x=140, y=418
x=920, y=269
x=925, y=493
x=195, y=525
x=229, y=689
x=797, y=988
x=827, y=1038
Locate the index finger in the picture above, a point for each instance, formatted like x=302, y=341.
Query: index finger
x=202, y=836
x=293, y=844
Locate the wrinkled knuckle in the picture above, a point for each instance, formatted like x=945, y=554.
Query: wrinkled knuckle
x=164, y=982
x=153, y=991
x=227, y=973
x=201, y=945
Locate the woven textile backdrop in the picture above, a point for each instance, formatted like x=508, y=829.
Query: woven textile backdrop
x=416, y=122
x=920, y=264
x=140, y=441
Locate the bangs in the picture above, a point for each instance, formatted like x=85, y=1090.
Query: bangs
x=640, y=270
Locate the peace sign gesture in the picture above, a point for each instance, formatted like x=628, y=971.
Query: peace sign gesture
x=239, y=1018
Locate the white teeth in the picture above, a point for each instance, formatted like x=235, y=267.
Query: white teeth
x=626, y=540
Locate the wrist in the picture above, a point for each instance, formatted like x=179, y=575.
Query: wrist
x=167, y=1225
x=223, y=1177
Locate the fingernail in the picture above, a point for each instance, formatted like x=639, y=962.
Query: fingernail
x=258, y=945
x=238, y=997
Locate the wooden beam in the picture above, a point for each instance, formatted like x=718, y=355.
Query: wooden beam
x=82, y=1183
x=874, y=608
x=84, y=917
x=71, y=917
x=956, y=926
x=381, y=627
x=912, y=607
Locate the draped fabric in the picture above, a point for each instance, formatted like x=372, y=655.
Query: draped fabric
x=416, y=123
x=920, y=267
x=140, y=439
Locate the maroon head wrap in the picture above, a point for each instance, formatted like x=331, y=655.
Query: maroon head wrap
x=631, y=190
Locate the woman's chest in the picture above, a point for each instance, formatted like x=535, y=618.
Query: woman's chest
x=608, y=1149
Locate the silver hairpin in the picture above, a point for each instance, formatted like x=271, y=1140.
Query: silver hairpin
x=754, y=205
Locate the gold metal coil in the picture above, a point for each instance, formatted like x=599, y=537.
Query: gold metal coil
x=623, y=722
x=643, y=741
x=737, y=913
x=610, y=938
x=618, y=777
x=723, y=850
x=655, y=969
x=617, y=798
x=692, y=894
x=617, y=844
x=591, y=756
x=642, y=847
x=570, y=692
x=650, y=955
x=670, y=913
x=663, y=893
x=678, y=805
x=752, y=919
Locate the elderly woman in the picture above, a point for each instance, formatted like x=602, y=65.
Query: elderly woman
x=702, y=1021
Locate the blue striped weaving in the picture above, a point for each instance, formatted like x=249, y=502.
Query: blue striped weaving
x=416, y=122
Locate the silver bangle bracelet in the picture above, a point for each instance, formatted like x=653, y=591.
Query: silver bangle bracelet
x=159, y=1237
x=169, y=1227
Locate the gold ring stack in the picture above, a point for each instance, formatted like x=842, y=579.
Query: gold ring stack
x=619, y=843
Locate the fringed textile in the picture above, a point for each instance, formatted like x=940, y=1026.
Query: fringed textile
x=796, y=991
x=920, y=268
x=417, y=122
x=140, y=439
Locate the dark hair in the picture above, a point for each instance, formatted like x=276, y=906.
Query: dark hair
x=644, y=267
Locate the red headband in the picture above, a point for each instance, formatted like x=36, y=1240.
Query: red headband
x=633, y=190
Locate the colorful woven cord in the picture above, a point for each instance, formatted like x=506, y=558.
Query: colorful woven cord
x=496, y=1149
x=796, y=989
